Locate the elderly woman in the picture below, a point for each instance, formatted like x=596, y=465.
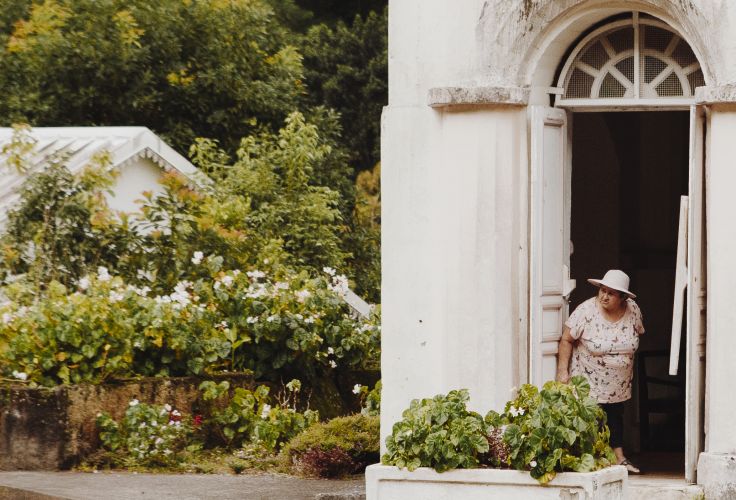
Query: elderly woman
x=601, y=336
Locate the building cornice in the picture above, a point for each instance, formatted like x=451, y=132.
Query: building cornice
x=442, y=97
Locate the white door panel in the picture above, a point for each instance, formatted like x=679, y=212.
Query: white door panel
x=549, y=256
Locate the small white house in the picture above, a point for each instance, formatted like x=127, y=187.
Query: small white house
x=139, y=156
x=530, y=144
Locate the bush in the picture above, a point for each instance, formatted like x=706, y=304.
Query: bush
x=147, y=435
x=560, y=428
x=252, y=418
x=341, y=446
x=293, y=326
x=556, y=429
x=440, y=433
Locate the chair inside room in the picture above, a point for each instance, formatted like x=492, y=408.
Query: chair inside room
x=661, y=403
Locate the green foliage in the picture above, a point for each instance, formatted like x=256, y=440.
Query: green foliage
x=370, y=399
x=341, y=446
x=62, y=228
x=440, y=433
x=346, y=68
x=556, y=429
x=251, y=417
x=183, y=68
x=106, y=328
x=364, y=239
x=151, y=435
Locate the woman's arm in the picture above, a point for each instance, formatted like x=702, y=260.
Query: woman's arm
x=564, y=352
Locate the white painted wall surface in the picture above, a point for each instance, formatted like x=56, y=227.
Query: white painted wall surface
x=140, y=175
x=451, y=232
x=721, y=313
x=455, y=188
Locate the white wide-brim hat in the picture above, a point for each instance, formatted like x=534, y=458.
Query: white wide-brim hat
x=615, y=280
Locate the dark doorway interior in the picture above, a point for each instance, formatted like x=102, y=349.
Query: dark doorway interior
x=628, y=173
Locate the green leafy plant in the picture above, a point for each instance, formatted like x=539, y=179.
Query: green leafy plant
x=560, y=428
x=440, y=433
x=149, y=435
x=338, y=447
x=556, y=429
x=251, y=417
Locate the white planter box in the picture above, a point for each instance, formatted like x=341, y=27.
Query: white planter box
x=385, y=482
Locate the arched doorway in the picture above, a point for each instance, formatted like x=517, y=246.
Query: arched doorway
x=620, y=143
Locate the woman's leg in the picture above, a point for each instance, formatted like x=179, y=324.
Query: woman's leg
x=615, y=420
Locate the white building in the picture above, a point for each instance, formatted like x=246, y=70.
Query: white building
x=515, y=127
x=139, y=156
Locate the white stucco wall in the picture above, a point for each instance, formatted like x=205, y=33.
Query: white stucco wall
x=721, y=322
x=450, y=296
x=140, y=175
x=455, y=193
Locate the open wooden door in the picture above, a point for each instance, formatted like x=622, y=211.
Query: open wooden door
x=695, y=301
x=549, y=239
x=690, y=276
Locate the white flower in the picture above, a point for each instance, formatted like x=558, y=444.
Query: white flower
x=265, y=411
x=166, y=452
x=102, y=274
x=251, y=320
x=143, y=424
x=223, y=324
x=333, y=364
x=329, y=270
x=7, y=318
x=513, y=411
x=356, y=388
x=176, y=413
x=255, y=275
x=533, y=463
x=20, y=375
x=272, y=318
x=309, y=320
x=197, y=258
x=521, y=411
x=339, y=284
x=227, y=280
x=281, y=285
x=167, y=407
x=154, y=424
x=158, y=441
x=330, y=350
x=83, y=283
x=116, y=296
x=302, y=295
x=133, y=402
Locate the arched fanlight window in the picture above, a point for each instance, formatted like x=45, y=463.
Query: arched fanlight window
x=631, y=61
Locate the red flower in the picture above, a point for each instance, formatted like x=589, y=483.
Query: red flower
x=197, y=420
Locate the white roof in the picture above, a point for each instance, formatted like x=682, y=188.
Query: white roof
x=77, y=145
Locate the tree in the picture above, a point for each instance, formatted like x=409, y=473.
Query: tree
x=346, y=68
x=184, y=69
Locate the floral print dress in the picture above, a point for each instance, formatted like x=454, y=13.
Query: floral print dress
x=604, y=351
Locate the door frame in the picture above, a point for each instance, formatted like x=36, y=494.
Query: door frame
x=531, y=354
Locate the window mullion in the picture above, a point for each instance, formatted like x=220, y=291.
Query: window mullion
x=637, y=52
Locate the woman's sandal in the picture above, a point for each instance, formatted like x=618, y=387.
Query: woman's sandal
x=633, y=469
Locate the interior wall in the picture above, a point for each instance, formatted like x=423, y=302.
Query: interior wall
x=628, y=173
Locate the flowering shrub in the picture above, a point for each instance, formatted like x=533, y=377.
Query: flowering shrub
x=298, y=325
x=338, y=447
x=251, y=417
x=556, y=429
x=370, y=399
x=440, y=433
x=147, y=434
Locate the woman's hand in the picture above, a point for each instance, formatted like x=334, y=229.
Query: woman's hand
x=563, y=376
x=563, y=356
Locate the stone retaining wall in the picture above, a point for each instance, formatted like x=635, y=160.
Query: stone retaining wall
x=49, y=429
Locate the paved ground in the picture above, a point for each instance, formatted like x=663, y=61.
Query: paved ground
x=122, y=486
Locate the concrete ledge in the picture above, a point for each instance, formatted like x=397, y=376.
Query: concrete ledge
x=391, y=483
x=717, y=475
x=440, y=97
x=715, y=95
